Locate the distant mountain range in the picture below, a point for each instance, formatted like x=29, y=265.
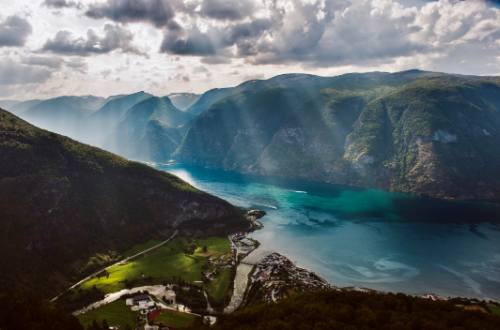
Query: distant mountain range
x=414, y=131
x=61, y=202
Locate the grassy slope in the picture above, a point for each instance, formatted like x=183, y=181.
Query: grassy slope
x=116, y=314
x=176, y=319
x=167, y=262
x=219, y=288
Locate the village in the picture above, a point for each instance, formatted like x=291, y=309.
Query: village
x=169, y=285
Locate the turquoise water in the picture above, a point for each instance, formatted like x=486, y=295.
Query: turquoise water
x=370, y=238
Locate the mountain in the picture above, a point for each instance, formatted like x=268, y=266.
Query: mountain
x=414, y=131
x=22, y=106
x=98, y=128
x=183, y=101
x=150, y=130
x=8, y=103
x=207, y=99
x=61, y=202
x=61, y=114
x=305, y=84
x=117, y=106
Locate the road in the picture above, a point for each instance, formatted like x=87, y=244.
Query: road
x=116, y=263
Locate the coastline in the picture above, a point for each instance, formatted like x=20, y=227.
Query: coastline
x=250, y=262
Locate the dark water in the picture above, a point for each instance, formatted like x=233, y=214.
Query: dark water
x=370, y=238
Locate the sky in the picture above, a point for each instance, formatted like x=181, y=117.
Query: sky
x=90, y=47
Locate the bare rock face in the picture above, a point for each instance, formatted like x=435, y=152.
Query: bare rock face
x=275, y=277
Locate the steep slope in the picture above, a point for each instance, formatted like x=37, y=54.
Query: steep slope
x=98, y=127
x=359, y=310
x=8, y=103
x=208, y=99
x=61, y=202
x=413, y=131
x=118, y=105
x=22, y=106
x=438, y=136
x=183, y=101
x=149, y=130
x=307, y=85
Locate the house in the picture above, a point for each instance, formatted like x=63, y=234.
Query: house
x=169, y=297
x=140, y=302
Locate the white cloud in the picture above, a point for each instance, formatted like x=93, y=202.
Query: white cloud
x=251, y=37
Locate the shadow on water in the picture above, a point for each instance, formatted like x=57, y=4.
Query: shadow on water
x=341, y=202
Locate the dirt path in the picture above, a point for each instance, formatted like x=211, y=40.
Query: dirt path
x=116, y=263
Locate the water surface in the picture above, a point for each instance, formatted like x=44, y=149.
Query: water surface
x=367, y=237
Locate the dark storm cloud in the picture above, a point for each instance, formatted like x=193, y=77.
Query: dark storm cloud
x=215, y=41
x=58, y=4
x=14, y=31
x=13, y=73
x=115, y=38
x=157, y=12
x=191, y=42
x=227, y=10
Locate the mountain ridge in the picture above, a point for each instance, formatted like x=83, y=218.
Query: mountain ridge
x=336, y=130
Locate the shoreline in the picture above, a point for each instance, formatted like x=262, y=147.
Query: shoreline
x=425, y=295
x=250, y=258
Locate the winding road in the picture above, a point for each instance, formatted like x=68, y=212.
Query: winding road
x=117, y=263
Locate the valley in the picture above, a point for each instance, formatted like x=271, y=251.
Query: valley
x=361, y=158
x=399, y=131
x=250, y=165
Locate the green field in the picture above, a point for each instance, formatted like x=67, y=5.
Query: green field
x=116, y=314
x=176, y=319
x=219, y=288
x=174, y=259
x=494, y=309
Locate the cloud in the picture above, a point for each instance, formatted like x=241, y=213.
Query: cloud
x=77, y=64
x=58, y=4
x=49, y=62
x=56, y=63
x=13, y=73
x=325, y=33
x=191, y=42
x=156, y=12
x=216, y=60
x=227, y=10
x=114, y=38
x=14, y=31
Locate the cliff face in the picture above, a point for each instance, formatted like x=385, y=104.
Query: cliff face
x=425, y=133
x=61, y=202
